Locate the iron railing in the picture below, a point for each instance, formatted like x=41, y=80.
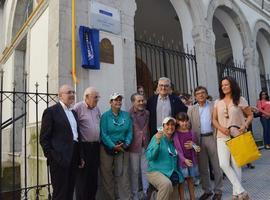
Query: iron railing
x=16, y=109
x=237, y=71
x=154, y=61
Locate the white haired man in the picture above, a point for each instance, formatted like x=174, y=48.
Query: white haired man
x=88, y=121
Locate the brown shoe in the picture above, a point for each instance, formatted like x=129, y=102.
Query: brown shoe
x=217, y=196
x=205, y=196
x=234, y=197
x=243, y=196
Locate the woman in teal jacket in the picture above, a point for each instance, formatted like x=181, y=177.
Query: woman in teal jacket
x=162, y=157
x=116, y=136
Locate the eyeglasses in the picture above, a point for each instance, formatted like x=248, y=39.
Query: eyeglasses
x=95, y=97
x=70, y=92
x=119, y=123
x=198, y=93
x=163, y=85
x=171, y=153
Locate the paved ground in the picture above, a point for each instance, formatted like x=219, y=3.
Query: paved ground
x=255, y=181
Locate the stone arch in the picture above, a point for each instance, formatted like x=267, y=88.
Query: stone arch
x=186, y=20
x=260, y=24
x=196, y=11
x=233, y=34
x=261, y=34
x=239, y=19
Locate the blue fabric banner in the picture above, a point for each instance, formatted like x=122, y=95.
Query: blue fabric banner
x=89, y=42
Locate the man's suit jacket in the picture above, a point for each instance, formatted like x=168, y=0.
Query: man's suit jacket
x=176, y=107
x=56, y=137
x=194, y=117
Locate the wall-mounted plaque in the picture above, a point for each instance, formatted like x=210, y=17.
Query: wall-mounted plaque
x=106, y=51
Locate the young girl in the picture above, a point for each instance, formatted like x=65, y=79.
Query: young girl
x=184, y=142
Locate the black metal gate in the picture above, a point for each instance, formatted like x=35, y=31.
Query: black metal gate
x=155, y=61
x=236, y=71
x=23, y=173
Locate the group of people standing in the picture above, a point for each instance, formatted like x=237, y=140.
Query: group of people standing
x=160, y=144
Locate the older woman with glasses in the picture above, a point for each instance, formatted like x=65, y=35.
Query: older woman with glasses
x=162, y=157
x=116, y=136
x=263, y=105
x=230, y=110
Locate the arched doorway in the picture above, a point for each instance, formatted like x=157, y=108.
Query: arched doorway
x=160, y=49
x=263, y=49
x=229, y=46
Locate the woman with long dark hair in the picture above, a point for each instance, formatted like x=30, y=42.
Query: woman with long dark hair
x=263, y=105
x=231, y=109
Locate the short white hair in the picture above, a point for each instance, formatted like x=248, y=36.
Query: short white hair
x=165, y=79
x=88, y=91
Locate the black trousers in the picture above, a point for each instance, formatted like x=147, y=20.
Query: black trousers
x=63, y=177
x=87, y=178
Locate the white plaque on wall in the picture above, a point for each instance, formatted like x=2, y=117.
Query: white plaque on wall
x=104, y=18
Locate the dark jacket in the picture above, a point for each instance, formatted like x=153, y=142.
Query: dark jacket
x=56, y=137
x=176, y=107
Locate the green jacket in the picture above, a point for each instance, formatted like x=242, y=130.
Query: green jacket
x=115, y=128
x=163, y=157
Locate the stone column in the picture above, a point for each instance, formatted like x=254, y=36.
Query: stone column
x=53, y=40
x=253, y=74
x=204, y=40
x=128, y=8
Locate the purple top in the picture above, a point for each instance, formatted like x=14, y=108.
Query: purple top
x=179, y=139
x=88, y=120
x=140, y=120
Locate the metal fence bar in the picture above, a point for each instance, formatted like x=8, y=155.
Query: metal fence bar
x=180, y=67
x=23, y=98
x=237, y=71
x=1, y=113
x=25, y=137
x=13, y=141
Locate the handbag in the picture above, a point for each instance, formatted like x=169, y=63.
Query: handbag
x=243, y=148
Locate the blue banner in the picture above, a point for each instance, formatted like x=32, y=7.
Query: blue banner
x=89, y=42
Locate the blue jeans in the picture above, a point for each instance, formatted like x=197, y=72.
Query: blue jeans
x=266, y=130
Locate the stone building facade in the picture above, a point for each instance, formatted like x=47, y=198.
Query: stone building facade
x=35, y=37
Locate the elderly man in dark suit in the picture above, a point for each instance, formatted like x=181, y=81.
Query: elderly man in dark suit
x=163, y=105
x=60, y=139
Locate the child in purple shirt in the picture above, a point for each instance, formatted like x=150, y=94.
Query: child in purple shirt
x=184, y=142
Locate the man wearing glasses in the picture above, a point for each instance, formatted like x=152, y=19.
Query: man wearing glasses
x=60, y=140
x=88, y=121
x=163, y=105
x=201, y=120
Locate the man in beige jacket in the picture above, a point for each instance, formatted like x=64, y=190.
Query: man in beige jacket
x=201, y=120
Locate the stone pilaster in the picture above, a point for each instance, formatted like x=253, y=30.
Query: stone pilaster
x=204, y=40
x=53, y=40
x=128, y=8
x=253, y=74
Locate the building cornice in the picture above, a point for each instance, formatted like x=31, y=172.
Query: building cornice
x=255, y=6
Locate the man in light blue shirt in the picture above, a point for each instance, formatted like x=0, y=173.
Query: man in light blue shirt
x=200, y=116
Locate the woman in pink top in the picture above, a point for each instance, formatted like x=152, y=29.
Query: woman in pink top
x=230, y=109
x=263, y=104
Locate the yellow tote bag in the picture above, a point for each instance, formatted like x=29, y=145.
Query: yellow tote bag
x=243, y=149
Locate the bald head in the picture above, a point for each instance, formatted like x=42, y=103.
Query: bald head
x=91, y=97
x=66, y=95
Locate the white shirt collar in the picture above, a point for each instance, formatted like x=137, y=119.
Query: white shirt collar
x=64, y=106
